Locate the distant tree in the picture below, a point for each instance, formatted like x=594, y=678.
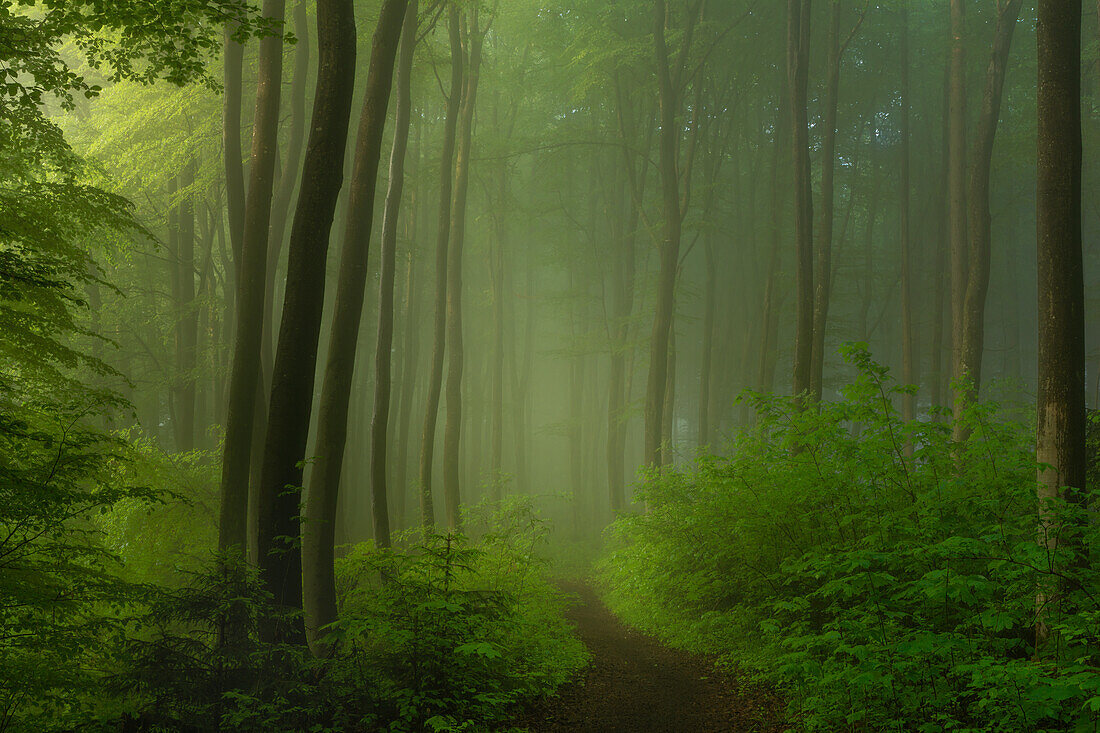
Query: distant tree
x=443, y=235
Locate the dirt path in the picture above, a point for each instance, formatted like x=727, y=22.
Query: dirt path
x=638, y=685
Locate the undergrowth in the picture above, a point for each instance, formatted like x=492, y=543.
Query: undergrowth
x=882, y=575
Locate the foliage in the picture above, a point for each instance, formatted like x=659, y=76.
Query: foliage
x=884, y=590
x=445, y=635
x=458, y=631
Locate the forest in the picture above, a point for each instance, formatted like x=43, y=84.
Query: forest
x=687, y=366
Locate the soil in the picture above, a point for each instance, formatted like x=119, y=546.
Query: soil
x=636, y=684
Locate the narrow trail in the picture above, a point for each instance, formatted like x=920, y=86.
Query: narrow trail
x=636, y=684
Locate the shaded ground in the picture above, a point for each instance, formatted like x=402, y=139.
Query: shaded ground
x=637, y=685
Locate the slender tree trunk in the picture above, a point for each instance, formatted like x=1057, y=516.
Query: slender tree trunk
x=979, y=226
x=956, y=196
x=233, y=60
x=941, y=273
x=709, y=308
x=669, y=103
x=908, y=368
x=410, y=353
x=187, y=315
x=446, y=182
x=288, y=180
x=1060, y=436
x=390, y=221
x=452, y=429
x=244, y=380
x=769, y=318
x=798, y=60
x=322, y=500
x=823, y=276
x=296, y=354
x=496, y=270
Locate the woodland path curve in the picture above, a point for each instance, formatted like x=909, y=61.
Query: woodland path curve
x=636, y=684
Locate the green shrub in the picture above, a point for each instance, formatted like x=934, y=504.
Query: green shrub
x=444, y=635
x=884, y=575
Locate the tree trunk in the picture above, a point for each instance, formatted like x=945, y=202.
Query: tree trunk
x=822, y=281
x=318, y=538
x=908, y=369
x=1060, y=436
x=798, y=60
x=669, y=103
x=439, y=340
x=187, y=316
x=296, y=354
x=390, y=221
x=496, y=271
x=956, y=196
x=979, y=227
x=233, y=53
x=452, y=429
x=244, y=380
x=288, y=181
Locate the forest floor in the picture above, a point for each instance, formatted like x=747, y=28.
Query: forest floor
x=636, y=684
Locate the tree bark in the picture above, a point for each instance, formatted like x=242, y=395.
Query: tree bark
x=244, y=380
x=439, y=340
x=318, y=532
x=296, y=354
x=1060, y=436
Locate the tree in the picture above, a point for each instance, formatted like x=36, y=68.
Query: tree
x=1060, y=432
x=671, y=79
x=244, y=384
x=296, y=355
x=798, y=62
x=473, y=37
x=382, y=355
x=318, y=534
x=971, y=235
x=443, y=233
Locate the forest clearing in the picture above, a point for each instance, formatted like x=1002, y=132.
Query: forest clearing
x=531, y=366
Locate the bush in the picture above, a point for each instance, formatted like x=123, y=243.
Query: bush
x=884, y=575
x=445, y=635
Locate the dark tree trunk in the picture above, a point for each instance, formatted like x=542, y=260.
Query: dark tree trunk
x=288, y=181
x=1060, y=436
x=244, y=380
x=439, y=340
x=296, y=354
x=318, y=535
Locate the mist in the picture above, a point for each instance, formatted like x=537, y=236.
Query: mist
x=549, y=365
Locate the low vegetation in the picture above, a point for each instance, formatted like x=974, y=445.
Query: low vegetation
x=884, y=576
